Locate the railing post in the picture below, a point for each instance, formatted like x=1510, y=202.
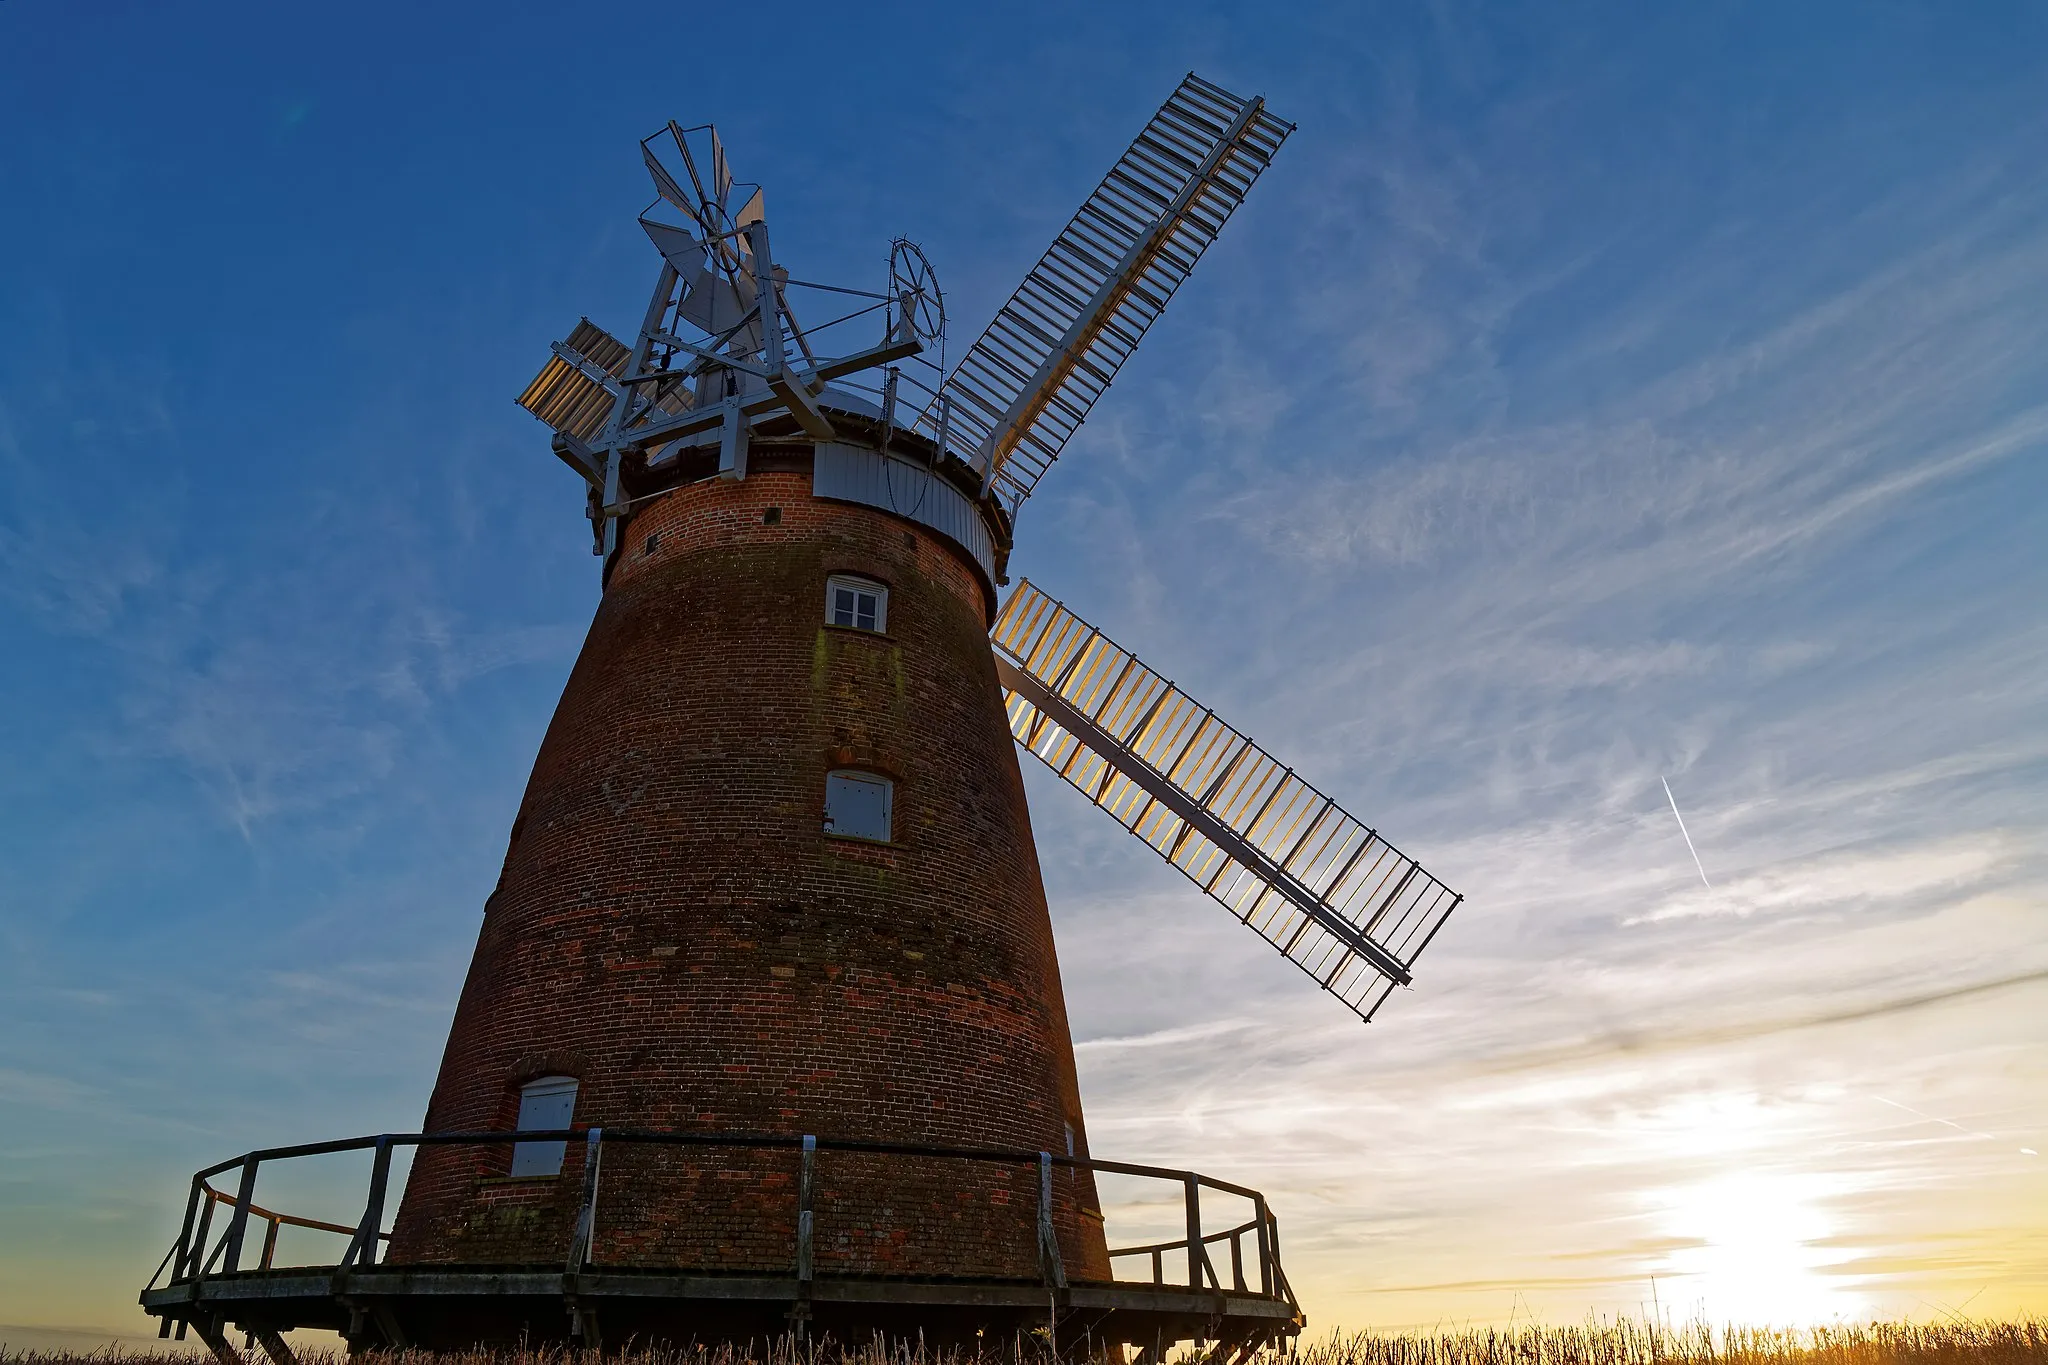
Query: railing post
x=1280, y=1285
x=1265, y=1248
x=197, y=1268
x=1194, y=1203
x=180, y=1264
x=804, y=1178
x=1237, y=1260
x=363, y=1250
x=586, y=1220
x=238, y=1226
x=1049, y=1265
x=270, y=1244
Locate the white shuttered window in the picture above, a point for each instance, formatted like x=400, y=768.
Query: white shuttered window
x=856, y=603
x=859, y=805
x=547, y=1103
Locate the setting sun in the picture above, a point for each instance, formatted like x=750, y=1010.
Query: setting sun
x=1753, y=1247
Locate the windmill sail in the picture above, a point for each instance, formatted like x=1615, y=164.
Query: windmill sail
x=1028, y=383
x=1339, y=901
x=567, y=394
x=574, y=392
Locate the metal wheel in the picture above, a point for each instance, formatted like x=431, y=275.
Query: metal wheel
x=914, y=293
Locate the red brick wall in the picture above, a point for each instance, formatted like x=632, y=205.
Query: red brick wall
x=674, y=928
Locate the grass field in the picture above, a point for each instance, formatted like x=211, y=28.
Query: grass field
x=1961, y=1342
x=1642, y=1343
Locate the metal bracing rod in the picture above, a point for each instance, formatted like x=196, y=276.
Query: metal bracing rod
x=716, y=359
x=703, y=419
x=796, y=330
x=1054, y=369
x=765, y=297
x=622, y=405
x=1177, y=801
x=588, y=368
x=837, y=289
x=790, y=388
x=707, y=360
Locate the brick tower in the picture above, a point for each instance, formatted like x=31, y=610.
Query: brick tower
x=683, y=931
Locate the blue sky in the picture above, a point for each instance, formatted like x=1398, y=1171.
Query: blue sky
x=1588, y=396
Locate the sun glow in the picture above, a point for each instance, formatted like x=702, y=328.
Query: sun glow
x=1754, y=1248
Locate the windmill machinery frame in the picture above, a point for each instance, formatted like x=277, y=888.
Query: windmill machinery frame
x=721, y=349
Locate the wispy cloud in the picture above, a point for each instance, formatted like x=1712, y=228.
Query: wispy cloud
x=1488, y=590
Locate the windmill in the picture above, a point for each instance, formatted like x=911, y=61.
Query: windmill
x=764, y=1026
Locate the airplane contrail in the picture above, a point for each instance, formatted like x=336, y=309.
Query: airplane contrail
x=1951, y=1123
x=1688, y=838
x=1946, y=1123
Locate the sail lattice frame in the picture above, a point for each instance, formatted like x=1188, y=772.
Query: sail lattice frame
x=1338, y=901
x=1019, y=394
x=567, y=394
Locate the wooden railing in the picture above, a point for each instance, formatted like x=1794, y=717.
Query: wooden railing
x=197, y=1255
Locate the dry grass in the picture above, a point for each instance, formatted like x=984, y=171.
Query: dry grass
x=1625, y=1342
x=1629, y=1342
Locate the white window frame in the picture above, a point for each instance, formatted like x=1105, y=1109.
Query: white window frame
x=852, y=583
x=888, y=786
x=542, y=1159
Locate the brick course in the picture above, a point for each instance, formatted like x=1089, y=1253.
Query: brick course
x=674, y=929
